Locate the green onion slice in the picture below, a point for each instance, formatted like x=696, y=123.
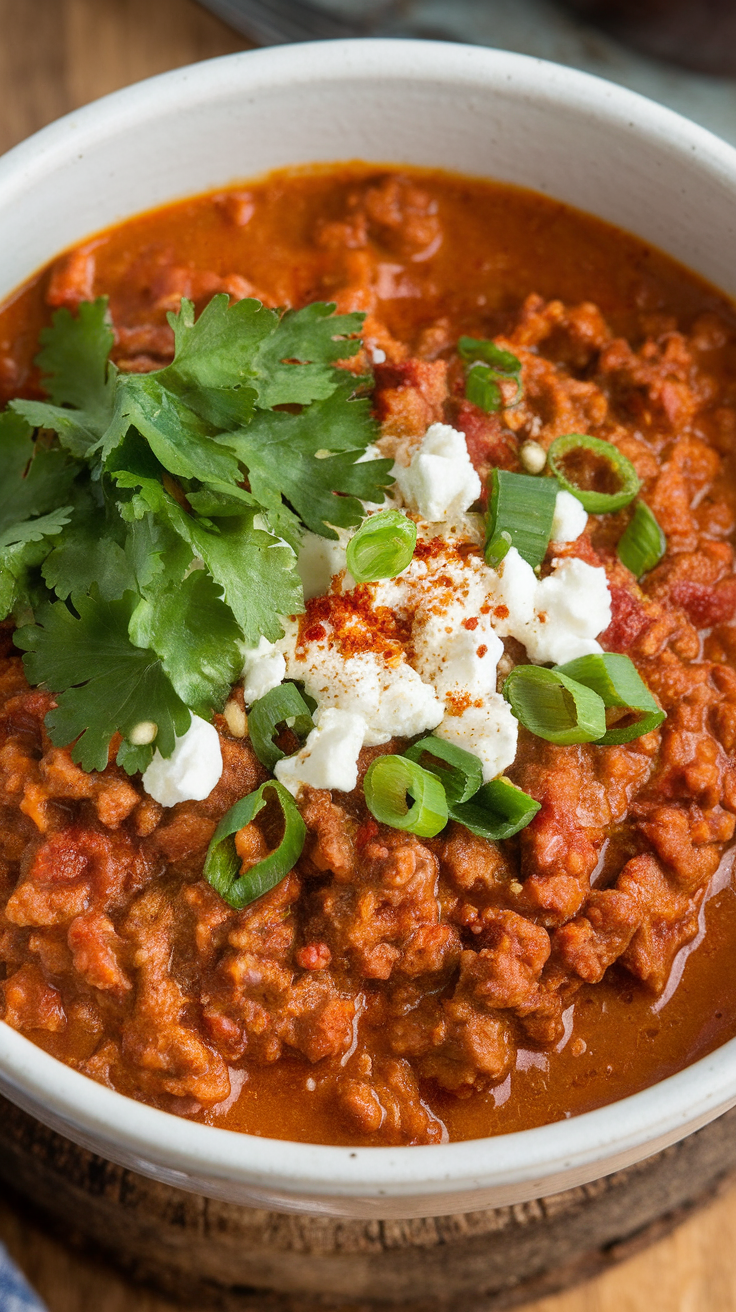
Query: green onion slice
x=642, y=543
x=382, y=547
x=281, y=704
x=222, y=863
x=391, y=781
x=616, y=680
x=520, y=512
x=482, y=389
x=594, y=471
x=490, y=365
x=498, y=810
x=465, y=774
x=554, y=706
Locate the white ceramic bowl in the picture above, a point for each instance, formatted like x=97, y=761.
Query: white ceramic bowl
x=476, y=111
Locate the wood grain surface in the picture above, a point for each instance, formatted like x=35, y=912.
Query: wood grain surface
x=54, y=56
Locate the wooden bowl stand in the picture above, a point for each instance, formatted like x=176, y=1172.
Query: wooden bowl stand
x=240, y=1259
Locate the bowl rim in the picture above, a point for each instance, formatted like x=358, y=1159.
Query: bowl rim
x=161, y=1142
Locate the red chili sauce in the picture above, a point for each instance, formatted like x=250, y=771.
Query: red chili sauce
x=396, y=990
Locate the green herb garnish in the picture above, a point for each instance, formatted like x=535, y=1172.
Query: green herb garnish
x=642, y=543
x=489, y=367
x=400, y=793
x=498, y=810
x=618, y=683
x=222, y=864
x=596, y=472
x=156, y=531
x=521, y=508
x=553, y=706
x=382, y=547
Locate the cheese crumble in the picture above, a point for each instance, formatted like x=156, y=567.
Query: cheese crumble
x=420, y=653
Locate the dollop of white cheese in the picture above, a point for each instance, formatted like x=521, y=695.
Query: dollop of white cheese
x=192, y=770
x=329, y=757
x=572, y=606
x=489, y=731
x=390, y=698
x=556, y=618
x=455, y=659
x=264, y=668
x=440, y=480
x=513, y=588
x=569, y=519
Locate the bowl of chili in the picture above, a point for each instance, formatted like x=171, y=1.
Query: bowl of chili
x=580, y=143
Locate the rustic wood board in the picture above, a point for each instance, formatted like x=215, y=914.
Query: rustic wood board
x=54, y=56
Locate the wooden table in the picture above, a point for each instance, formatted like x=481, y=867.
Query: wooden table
x=54, y=56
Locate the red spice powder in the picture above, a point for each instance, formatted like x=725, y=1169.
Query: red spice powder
x=353, y=623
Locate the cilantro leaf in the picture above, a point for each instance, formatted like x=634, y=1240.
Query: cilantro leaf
x=257, y=573
x=103, y=683
x=134, y=759
x=176, y=542
x=74, y=359
x=87, y=555
x=35, y=530
x=18, y=569
x=33, y=479
x=179, y=439
x=73, y=427
x=281, y=450
x=238, y=357
x=77, y=376
x=197, y=638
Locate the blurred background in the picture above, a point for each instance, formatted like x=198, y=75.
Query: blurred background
x=682, y=52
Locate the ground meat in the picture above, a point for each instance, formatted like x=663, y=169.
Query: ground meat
x=386, y=967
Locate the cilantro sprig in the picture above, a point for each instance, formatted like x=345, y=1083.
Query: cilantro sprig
x=149, y=522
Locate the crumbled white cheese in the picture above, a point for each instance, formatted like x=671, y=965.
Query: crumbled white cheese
x=264, y=668
x=572, y=606
x=391, y=698
x=557, y=618
x=329, y=757
x=454, y=659
x=378, y=355
x=569, y=519
x=440, y=480
x=512, y=589
x=489, y=731
x=451, y=611
x=192, y=770
x=318, y=561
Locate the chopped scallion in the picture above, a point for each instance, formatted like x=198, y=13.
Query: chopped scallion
x=222, y=863
x=642, y=543
x=554, y=706
x=498, y=810
x=464, y=776
x=398, y=792
x=520, y=512
x=279, y=705
x=596, y=472
x=490, y=365
x=616, y=680
x=382, y=547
